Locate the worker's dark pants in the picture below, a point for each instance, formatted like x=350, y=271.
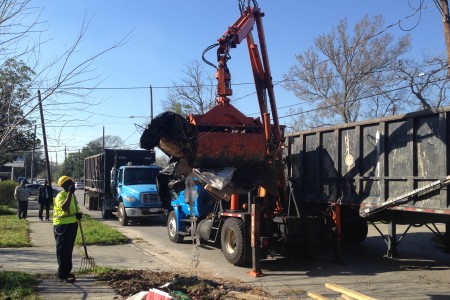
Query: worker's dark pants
x=45, y=205
x=65, y=239
x=22, y=209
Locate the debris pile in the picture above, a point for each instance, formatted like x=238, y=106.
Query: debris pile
x=210, y=151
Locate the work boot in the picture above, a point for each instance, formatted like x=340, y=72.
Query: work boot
x=67, y=278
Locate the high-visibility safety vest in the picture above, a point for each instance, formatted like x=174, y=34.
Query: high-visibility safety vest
x=61, y=216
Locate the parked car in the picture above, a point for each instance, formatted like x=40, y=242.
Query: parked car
x=33, y=188
x=56, y=190
x=79, y=185
x=40, y=181
x=19, y=179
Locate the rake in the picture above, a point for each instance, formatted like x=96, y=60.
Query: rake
x=87, y=263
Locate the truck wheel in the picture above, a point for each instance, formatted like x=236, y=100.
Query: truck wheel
x=106, y=214
x=122, y=215
x=232, y=240
x=354, y=232
x=172, y=229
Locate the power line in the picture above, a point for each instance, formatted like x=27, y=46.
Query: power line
x=355, y=100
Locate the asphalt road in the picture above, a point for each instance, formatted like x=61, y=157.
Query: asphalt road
x=422, y=272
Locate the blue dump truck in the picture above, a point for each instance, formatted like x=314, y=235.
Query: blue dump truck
x=179, y=219
x=122, y=182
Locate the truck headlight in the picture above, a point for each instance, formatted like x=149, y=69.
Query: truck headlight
x=130, y=199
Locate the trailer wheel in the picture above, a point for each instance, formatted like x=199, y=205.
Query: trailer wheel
x=106, y=214
x=122, y=215
x=232, y=241
x=354, y=232
x=172, y=229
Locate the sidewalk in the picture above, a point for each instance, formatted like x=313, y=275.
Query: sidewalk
x=41, y=258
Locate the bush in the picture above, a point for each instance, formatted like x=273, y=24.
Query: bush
x=7, y=188
x=5, y=211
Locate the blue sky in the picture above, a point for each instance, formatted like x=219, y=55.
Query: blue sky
x=168, y=35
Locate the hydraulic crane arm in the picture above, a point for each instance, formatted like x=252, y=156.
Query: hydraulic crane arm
x=240, y=30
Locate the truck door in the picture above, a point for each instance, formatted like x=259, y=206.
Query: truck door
x=119, y=182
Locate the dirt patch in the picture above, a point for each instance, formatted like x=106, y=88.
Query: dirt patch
x=129, y=282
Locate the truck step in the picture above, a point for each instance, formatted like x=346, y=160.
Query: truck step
x=188, y=220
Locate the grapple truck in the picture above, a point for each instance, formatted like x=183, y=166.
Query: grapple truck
x=247, y=210
x=241, y=183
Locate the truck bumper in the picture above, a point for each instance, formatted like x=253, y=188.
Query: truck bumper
x=145, y=212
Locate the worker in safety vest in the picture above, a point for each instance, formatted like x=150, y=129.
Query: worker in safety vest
x=65, y=226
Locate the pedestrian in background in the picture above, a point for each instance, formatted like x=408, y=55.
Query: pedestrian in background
x=45, y=198
x=21, y=194
x=65, y=226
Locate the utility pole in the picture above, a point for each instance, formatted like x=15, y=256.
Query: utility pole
x=79, y=171
x=44, y=136
x=32, y=156
x=443, y=9
x=151, y=103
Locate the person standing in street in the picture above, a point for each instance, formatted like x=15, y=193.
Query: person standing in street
x=21, y=194
x=65, y=226
x=45, y=198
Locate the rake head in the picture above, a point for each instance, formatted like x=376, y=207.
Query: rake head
x=87, y=265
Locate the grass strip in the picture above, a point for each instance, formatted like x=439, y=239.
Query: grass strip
x=14, y=232
x=97, y=233
x=17, y=285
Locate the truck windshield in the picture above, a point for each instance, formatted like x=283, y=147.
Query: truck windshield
x=140, y=176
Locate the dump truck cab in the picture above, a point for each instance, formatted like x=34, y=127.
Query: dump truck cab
x=135, y=192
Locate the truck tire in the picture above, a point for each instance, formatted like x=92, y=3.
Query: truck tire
x=122, y=215
x=172, y=228
x=233, y=242
x=354, y=232
x=106, y=214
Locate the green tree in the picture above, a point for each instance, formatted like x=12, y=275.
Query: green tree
x=343, y=68
x=15, y=129
x=73, y=164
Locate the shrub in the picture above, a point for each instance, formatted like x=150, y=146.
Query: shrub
x=7, y=188
x=5, y=211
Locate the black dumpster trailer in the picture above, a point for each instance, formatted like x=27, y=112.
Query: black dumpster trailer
x=391, y=169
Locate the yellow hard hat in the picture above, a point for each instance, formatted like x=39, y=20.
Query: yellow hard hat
x=62, y=179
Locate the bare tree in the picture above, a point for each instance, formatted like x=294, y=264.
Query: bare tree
x=342, y=69
x=21, y=48
x=194, y=94
x=428, y=82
